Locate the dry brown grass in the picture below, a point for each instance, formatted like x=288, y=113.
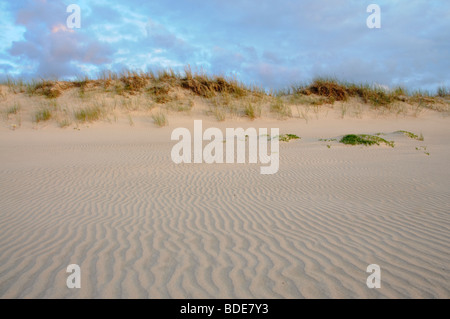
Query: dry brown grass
x=160, y=93
x=330, y=89
x=218, y=96
x=206, y=86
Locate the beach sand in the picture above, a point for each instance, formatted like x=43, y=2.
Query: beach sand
x=109, y=198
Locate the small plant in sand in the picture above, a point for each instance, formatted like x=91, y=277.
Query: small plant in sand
x=130, y=120
x=89, y=114
x=218, y=112
x=364, y=139
x=160, y=119
x=412, y=135
x=327, y=139
x=181, y=106
x=64, y=123
x=252, y=111
x=287, y=137
x=423, y=148
x=13, y=110
x=42, y=115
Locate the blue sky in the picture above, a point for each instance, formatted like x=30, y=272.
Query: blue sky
x=267, y=43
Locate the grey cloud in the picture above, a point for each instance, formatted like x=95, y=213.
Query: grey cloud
x=52, y=47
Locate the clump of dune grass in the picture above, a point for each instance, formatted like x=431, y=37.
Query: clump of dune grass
x=89, y=114
x=160, y=93
x=14, y=109
x=14, y=85
x=278, y=106
x=134, y=82
x=252, y=111
x=160, y=119
x=364, y=139
x=130, y=120
x=288, y=137
x=64, y=123
x=218, y=112
x=42, y=115
x=206, y=86
x=333, y=90
x=443, y=91
x=329, y=88
x=376, y=96
x=309, y=100
x=181, y=106
x=164, y=76
x=46, y=88
x=412, y=135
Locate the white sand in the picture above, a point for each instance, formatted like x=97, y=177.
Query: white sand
x=109, y=199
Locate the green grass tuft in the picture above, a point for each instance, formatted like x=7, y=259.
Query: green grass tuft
x=288, y=137
x=364, y=139
x=412, y=135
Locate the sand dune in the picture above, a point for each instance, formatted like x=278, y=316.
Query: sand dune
x=110, y=199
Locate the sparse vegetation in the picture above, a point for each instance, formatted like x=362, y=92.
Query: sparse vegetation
x=13, y=109
x=219, y=113
x=288, y=137
x=89, y=114
x=252, y=111
x=160, y=119
x=327, y=139
x=364, y=139
x=443, y=91
x=221, y=96
x=181, y=106
x=424, y=149
x=130, y=120
x=412, y=135
x=64, y=123
x=42, y=115
x=279, y=107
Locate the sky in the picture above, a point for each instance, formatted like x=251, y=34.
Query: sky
x=272, y=44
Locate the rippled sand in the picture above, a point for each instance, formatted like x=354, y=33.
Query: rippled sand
x=109, y=199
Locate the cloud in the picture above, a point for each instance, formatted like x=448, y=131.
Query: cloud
x=263, y=42
x=50, y=46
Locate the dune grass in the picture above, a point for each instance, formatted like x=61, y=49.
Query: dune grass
x=42, y=115
x=14, y=109
x=223, y=96
x=288, y=137
x=364, y=139
x=412, y=135
x=252, y=111
x=160, y=119
x=279, y=107
x=88, y=114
